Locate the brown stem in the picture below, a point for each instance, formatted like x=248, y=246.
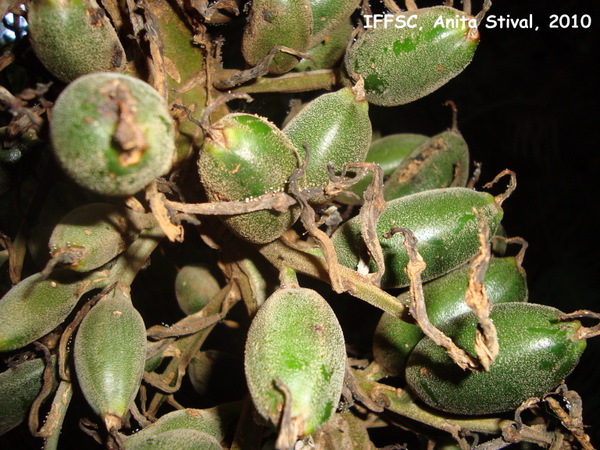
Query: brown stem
x=282, y=254
x=414, y=268
x=509, y=190
x=326, y=79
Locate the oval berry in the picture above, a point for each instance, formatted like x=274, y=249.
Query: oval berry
x=443, y=222
x=213, y=421
x=246, y=156
x=19, y=386
x=395, y=338
x=295, y=338
x=537, y=351
x=109, y=355
x=91, y=235
x=388, y=152
x=402, y=64
x=112, y=133
x=180, y=439
x=73, y=38
x=328, y=17
x=328, y=52
x=277, y=22
x=337, y=130
x=195, y=285
x=36, y=305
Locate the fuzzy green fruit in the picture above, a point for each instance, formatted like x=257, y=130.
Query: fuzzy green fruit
x=395, y=338
x=195, y=285
x=73, y=38
x=277, y=22
x=112, y=133
x=176, y=439
x=402, y=64
x=337, y=130
x=35, y=306
x=328, y=17
x=91, y=235
x=109, y=355
x=19, y=386
x=328, y=52
x=246, y=156
x=295, y=337
x=537, y=351
x=443, y=222
x=213, y=421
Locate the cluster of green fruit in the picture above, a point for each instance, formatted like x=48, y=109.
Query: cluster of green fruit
x=114, y=134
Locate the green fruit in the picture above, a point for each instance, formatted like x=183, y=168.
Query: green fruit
x=35, y=306
x=328, y=16
x=93, y=234
x=336, y=128
x=19, y=386
x=402, y=64
x=73, y=38
x=442, y=161
x=328, y=52
x=177, y=439
x=195, y=285
x=112, y=134
x=388, y=152
x=277, y=22
x=246, y=156
x=295, y=337
x=395, y=338
x=537, y=351
x=109, y=354
x=443, y=222
x=213, y=421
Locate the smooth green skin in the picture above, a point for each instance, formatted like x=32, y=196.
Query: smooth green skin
x=441, y=219
x=401, y=65
x=295, y=336
x=213, y=421
x=178, y=439
x=277, y=22
x=195, y=285
x=34, y=307
x=19, y=386
x=328, y=52
x=82, y=129
x=328, y=15
x=110, y=354
x=337, y=129
x=248, y=157
x=440, y=162
x=98, y=232
x=536, y=353
x=388, y=152
x=70, y=41
x=395, y=338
